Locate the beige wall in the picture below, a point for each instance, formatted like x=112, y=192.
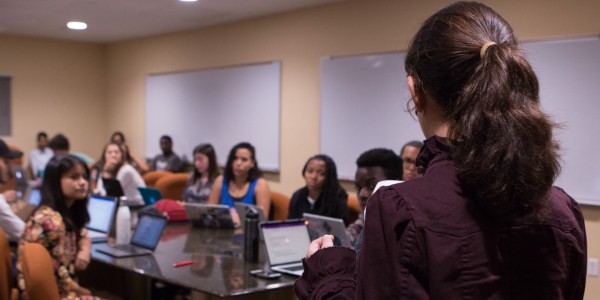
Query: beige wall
x=299, y=40
x=109, y=84
x=56, y=87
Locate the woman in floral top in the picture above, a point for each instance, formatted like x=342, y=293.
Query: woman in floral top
x=59, y=224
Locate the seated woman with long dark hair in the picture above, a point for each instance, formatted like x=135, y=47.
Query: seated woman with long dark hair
x=202, y=177
x=59, y=223
x=323, y=194
x=241, y=181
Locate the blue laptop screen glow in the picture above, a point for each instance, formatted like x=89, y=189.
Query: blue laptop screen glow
x=35, y=197
x=101, y=210
x=148, y=231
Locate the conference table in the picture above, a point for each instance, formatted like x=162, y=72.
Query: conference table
x=218, y=269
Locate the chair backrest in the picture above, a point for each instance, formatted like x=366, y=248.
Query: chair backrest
x=280, y=204
x=151, y=177
x=5, y=267
x=38, y=273
x=171, y=186
x=353, y=209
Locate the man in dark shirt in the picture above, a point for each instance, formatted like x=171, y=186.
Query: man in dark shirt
x=168, y=160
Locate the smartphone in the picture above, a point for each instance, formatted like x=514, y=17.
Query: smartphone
x=260, y=273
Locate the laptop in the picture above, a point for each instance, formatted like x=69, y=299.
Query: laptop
x=34, y=198
x=150, y=195
x=113, y=187
x=216, y=216
x=102, y=213
x=321, y=225
x=286, y=243
x=144, y=241
x=240, y=208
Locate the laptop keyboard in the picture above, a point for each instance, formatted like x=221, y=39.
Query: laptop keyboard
x=295, y=268
x=128, y=248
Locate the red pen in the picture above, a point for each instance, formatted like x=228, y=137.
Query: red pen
x=182, y=263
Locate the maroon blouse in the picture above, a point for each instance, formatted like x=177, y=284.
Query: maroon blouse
x=421, y=241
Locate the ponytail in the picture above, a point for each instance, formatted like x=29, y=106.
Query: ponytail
x=502, y=142
x=466, y=58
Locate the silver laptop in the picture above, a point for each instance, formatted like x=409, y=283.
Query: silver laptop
x=214, y=216
x=321, y=225
x=144, y=241
x=240, y=208
x=286, y=243
x=102, y=212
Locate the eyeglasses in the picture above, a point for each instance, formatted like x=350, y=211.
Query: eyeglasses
x=409, y=161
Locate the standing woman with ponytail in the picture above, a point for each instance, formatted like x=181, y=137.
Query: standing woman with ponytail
x=484, y=221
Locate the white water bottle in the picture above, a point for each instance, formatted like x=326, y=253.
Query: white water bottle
x=123, y=234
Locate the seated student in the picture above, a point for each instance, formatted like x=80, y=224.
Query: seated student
x=409, y=153
x=39, y=157
x=203, y=175
x=484, y=221
x=59, y=144
x=59, y=222
x=372, y=166
x=139, y=164
x=168, y=160
x=241, y=181
x=323, y=194
x=9, y=222
x=112, y=165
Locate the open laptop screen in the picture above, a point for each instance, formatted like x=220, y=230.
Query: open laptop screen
x=148, y=231
x=285, y=242
x=101, y=210
x=35, y=197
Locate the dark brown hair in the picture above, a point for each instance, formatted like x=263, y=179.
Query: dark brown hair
x=76, y=216
x=213, y=168
x=500, y=139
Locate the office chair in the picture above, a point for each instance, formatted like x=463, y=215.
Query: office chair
x=280, y=204
x=38, y=273
x=171, y=186
x=151, y=177
x=6, y=266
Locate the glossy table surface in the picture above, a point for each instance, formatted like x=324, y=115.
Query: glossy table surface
x=218, y=267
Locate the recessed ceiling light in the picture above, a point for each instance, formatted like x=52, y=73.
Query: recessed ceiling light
x=188, y=0
x=76, y=25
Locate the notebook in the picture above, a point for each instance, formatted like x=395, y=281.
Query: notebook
x=150, y=195
x=34, y=198
x=144, y=241
x=321, y=225
x=214, y=216
x=113, y=187
x=286, y=243
x=102, y=213
x=240, y=208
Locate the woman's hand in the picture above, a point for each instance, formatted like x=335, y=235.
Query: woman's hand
x=82, y=260
x=84, y=251
x=323, y=242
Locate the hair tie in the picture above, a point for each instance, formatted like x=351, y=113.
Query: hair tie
x=485, y=47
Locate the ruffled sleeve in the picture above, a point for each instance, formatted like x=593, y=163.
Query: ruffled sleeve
x=328, y=274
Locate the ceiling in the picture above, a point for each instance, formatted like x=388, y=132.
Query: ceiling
x=118, y=20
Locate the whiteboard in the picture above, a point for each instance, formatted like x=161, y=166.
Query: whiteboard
x=363, y=104
x=569, y=75
x=222, y=106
